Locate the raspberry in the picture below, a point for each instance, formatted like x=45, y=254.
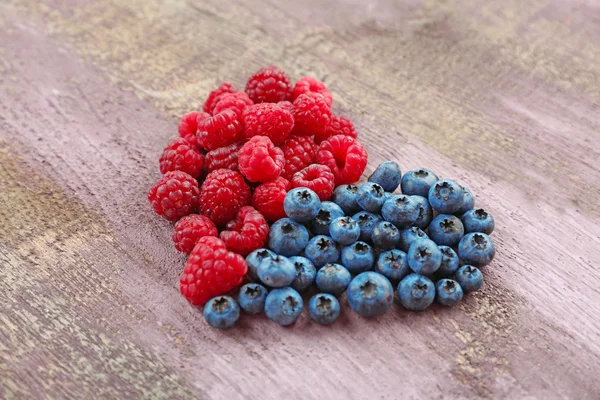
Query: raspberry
x=247, y=232
x=222, y=194
x=309, y=84
x=237, y=102
x=211, y=271
x=220, y=130
x=213, y=97
x=259, y=160
x=175, y=195
x=311, y=114
x=338, y=126
x=188, y=126
x=269, y=85
x=316, y=177
x=191, y=228
x=267, y=119
x=211, y=241
x=286, y=105
x=345, y=156
x=223, y=157
x=180, y=155
x=268, y=198
x=299, y=152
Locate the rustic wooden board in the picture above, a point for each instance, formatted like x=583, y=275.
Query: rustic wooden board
x=504, y=96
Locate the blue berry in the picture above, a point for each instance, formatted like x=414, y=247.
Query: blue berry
x=478, y=221
x=450, y=262
x=221, y=312
x=344, y=230
x=301, y=204
x=468, y=202
x=424, y=257
x=416, y=292
x=276, y=271
x=358, y=257
x=449, y=293
x=417, y=182
x=393, y=264
x=305, y=273
x=387, y=175
x=252, y=298
x=425, y=212
x=446, y=196
x=370, y=197
x=322, y=250
x=446, y=230
x=408, y=236
x=400, y=210
x=333, y=278
x=366, y=222
x=287, y=237
x=254, y=259
x=385, y=235
x=283, y=306
x=345, y=197
x=323, y=308
x=470, y=278
x=476, y=249
x=328, y=212
x=370, y=294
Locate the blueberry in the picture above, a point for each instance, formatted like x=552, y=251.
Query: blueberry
x=408, y=236
x=366, y=222
x=358, y=257
x=446, y=196
x=400, y=210
x=393, y=264
x=424, y=257
x=255, y=258
x=370, y=197
x=449, y=293
x=221, y=312
x=322, y=250
x=478, y=221
x=446, y=230
x=476, y=249
x=301, y=204
x=344, y=230
x=370, y=294
x=468, y=202
x=417, y=182
x=323, y=308
x=416, y=292
x=328, y=212
x=470, y=278
x=387, y=175
x=385, y=235
x=283, y=306
x=305, y=273
x=450, y=262
x=287, y=237
x=425, y=212
x=333, y=278
x=252, y=298
x=276, y=271
x=345, y=197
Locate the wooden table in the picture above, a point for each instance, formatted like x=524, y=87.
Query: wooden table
x=501, y=95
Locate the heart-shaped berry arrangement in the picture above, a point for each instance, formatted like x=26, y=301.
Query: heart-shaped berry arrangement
x=261, y=185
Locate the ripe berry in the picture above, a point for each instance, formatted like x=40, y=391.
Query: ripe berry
x=267, y=119
x=478, y=221
x=366, y=223
x=305, y=273
x=269, y=85
x=221, y=312
x=301, y=204
x=446, y=230
x=370, y=294
x=308, y=84
x=255, y=258
x=385, y=235
x=317, y=178
x=345, y=156
x=345, y=197
x=358, y=257
x=247, y=232
x=223, y=157
x=299, y=152
x=387, y=175
x=222, y=195
x=393, y=264
x=370, y=197
x=175, y=195
x=449, y=292
x=424, y=257
x=268, y=198
x=188, y=126
x=189, y=229
x=425, y=212
x=322, y=250
x=409, y=235
x=219, y=130
x=333, y=278
x=446, y=196
x=417, y=182
x=476, y=249
x=416, y=292
x=450, y=262
x=337, y=126
x=276, y=271
x=468, y=202
x=400, y=210
x=469, y=278
x=344, y=230
x=311, y=115
x=328, y=212
x=323, y=308
x=283, y=306
x=287, y=237
x=213, y=97
x=252, y=298
x=180, y=155
x=259, y=160
x=237, y=102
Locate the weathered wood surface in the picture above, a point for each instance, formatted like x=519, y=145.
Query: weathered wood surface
x=502, y=95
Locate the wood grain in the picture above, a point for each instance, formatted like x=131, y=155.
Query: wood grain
x=503, y=96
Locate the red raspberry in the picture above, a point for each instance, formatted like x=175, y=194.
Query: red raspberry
x=191, y=228
x=338, y=126
x=311, y=114
x=345, y=156
x=223, y=157
x=309, y=84
x=188, y=126
x=180, y=155
x=316, y=177
x=175, y=195
x=211, y=241
x=247, y=232
x=269, y=85
x=237, y=102
x=268, y=198
x=222, y=194
x=220, y=130
x=213, y=97
x=267, y=119
x=286, y=105
x=211, y=271
x=299, y=152
x=259, y=160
